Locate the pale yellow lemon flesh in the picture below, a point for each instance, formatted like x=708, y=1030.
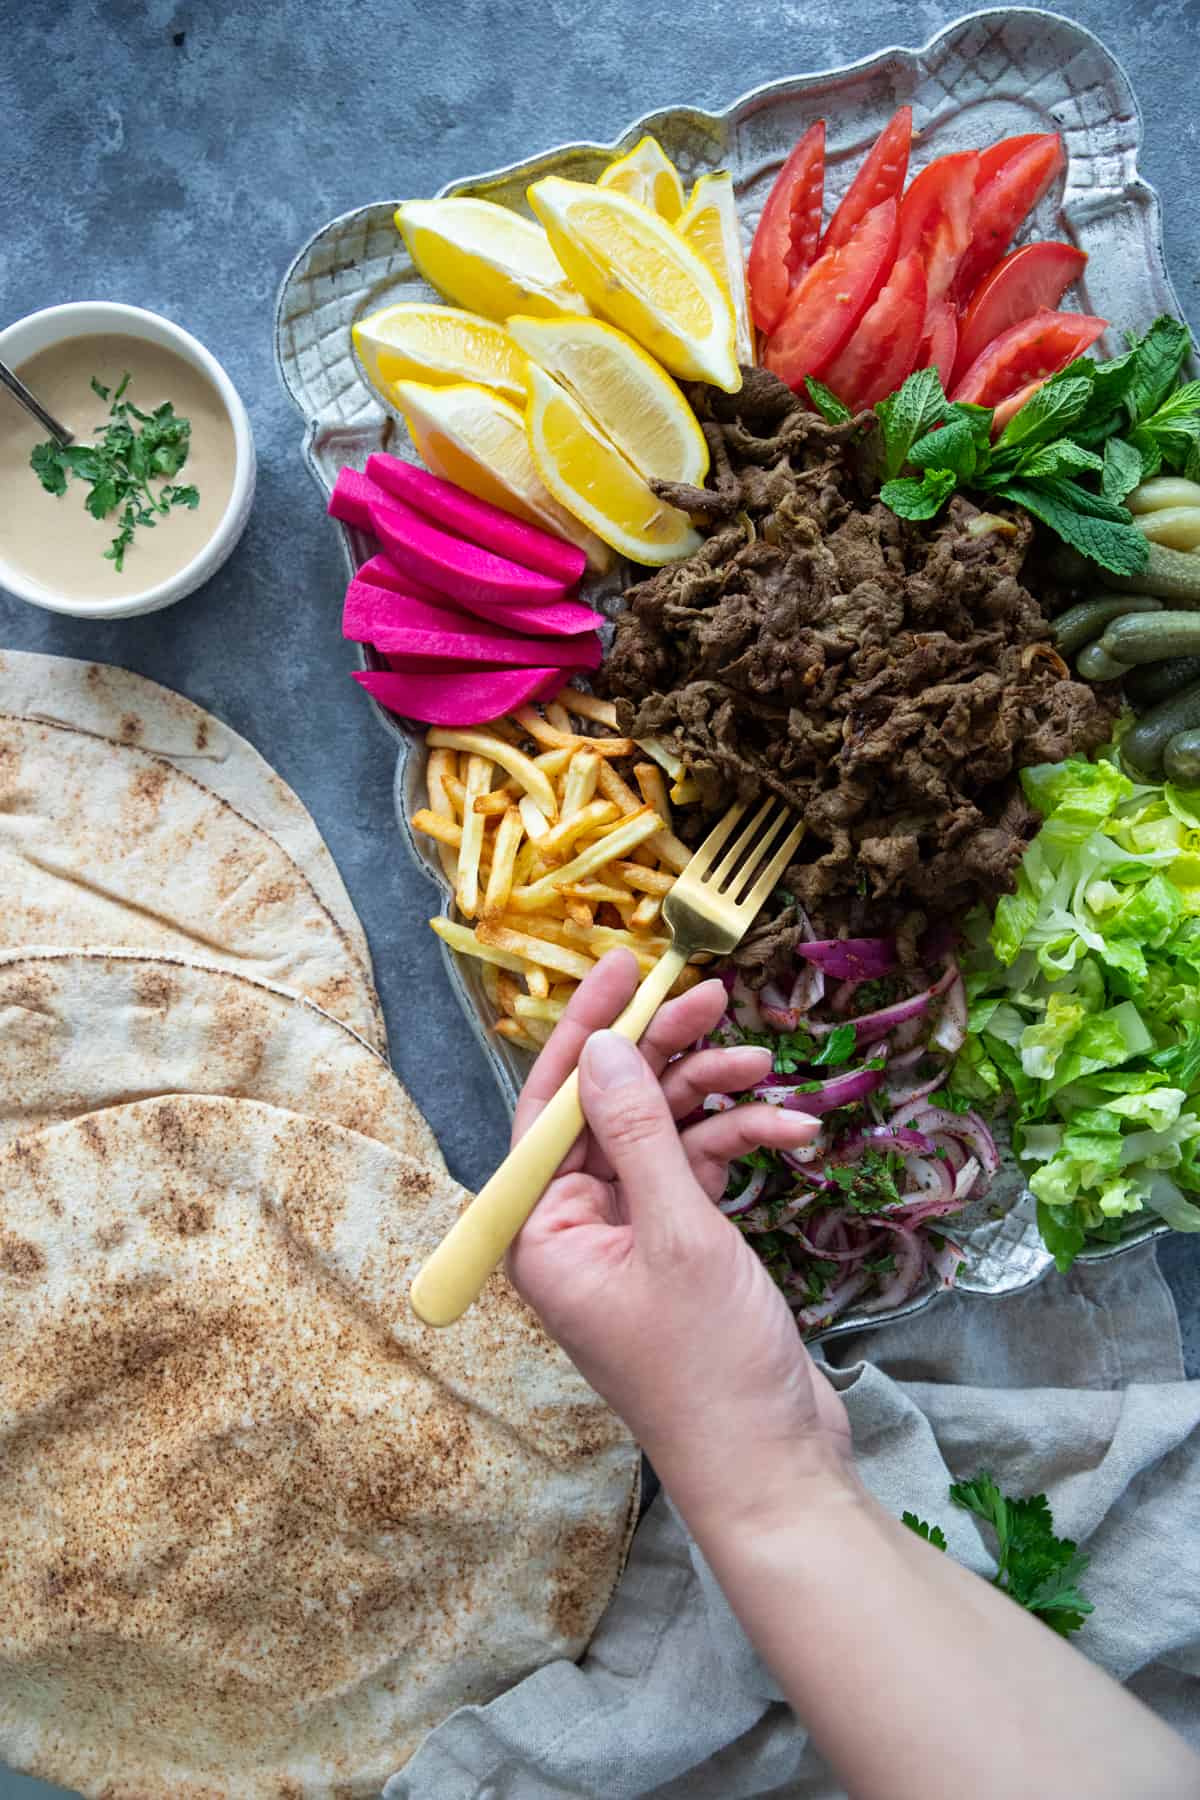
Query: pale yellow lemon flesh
x=710, y=225
x=486, y=258
x=474, y=437
x=588, y=475
x=438, y=344
x=625, y=393
x=646, y=173
x=638, y=273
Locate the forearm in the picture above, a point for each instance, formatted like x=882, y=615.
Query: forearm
x=895, y=1657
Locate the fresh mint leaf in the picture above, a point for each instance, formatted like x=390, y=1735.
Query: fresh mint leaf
x=907, y=415
x=1158, y=358
x=1148, y=449
x=909, y=498
x=1122, y=469
x=1073, y=513
x=1062, y=457
x=933, y=1534
x=951, y=446
x=837, y=1048
x=1047, y=414
x=831, y=409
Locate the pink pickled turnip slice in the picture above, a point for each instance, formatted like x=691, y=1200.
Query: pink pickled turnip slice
x=477, y=520
x=478, y=579
x=371, y=607
x=462, y=698
x=382, y=573
x=350, y=501
x=461, y=639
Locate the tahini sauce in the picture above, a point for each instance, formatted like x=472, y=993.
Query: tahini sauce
x=53, y=538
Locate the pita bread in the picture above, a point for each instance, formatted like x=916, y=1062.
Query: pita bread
x=113, y=703
x=262, y=1530
x=82, y=1030
x=105, y=846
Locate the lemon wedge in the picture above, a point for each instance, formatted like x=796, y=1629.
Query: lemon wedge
x=438, y=344
x=710, y=225
x=589, y=476
x=486, y=258
x=647, y=174
x=472, y=436
x=625, y=392
x=638, y=273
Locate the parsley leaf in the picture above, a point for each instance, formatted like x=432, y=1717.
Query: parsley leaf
x=837, y=1048
x=831, y=409
x=933, y=1534
x=47, y=464
x=1037, y=1569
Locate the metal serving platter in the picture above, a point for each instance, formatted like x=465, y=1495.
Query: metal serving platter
x=991, y=74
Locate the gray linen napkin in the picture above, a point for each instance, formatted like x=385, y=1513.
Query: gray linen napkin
x=1074, y=1389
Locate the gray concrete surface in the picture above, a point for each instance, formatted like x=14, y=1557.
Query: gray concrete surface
x=175, y=155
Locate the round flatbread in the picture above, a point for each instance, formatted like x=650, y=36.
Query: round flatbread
x=261, y=1530
x=83, y=1030
x=114, y=703
x=105, y=846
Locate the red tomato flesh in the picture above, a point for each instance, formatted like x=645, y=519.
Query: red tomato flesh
x=1026, y=353
x=1035, y=276
x=1004, y=412
x=935, y=218
x=883, y=346
x=1003, y=203
x=785, y=242
x=993, y=159
x=880, y=178
x=940, y=342
x=831, y=298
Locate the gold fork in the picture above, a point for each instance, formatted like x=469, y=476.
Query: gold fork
x=710, y=907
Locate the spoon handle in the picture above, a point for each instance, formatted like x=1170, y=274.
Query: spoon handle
x=17, y=387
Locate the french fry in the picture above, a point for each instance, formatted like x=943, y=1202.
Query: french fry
x=664, y=844
x=555, y=843
x=438, y=765
x=629, y=832
x=504, y=856
x=466, y=891
x=534, y=949
x=535, y=781
x=498, y=801
x=538, y=982
x=596, y=892
x=663, y=755
x=615, y=788
x=649, y=778
x=603, y=937
x=506, y=992
x=579, y=784
x=538, y=1029
x=646, y=913
x=579, y=913
x=586, y=706
x=529, y=1007
x=515, y=1033
x=532, y=817
x=668, y=848
x=542, y=732
x=539, y=925
x=490, y=976
x=687, y=978
x=685, y=791
x=646, y=881
x=465, y=941
x=436, y=825
x=558, y=716
x=457, y=793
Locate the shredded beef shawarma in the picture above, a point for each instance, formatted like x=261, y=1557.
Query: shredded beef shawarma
x=888, y=679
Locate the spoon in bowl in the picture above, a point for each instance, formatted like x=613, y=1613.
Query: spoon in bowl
x=17, y=388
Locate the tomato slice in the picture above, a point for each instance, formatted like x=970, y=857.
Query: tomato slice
x=935, y=218
x=883, y=346
x=785, y=242
x=1028, y=279
x=993, y=159
x=881, y=177
x=940, y=341
x=1026, y=353
x=1004, y=412
x=831, y=298
x=1003, y=203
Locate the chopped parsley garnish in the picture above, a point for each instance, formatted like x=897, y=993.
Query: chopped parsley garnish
x=133, y=449
x=837, y=1048
x=869, y=1184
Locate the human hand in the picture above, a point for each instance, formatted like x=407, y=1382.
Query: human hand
x=654, y=1294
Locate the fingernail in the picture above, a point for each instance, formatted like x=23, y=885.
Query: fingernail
x=612, y=1061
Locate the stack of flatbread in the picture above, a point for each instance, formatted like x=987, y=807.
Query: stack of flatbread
x=259, y=1529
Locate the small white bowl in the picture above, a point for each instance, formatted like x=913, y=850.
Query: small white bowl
x=84, y=318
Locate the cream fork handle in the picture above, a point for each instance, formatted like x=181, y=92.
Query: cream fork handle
x=453, y=1276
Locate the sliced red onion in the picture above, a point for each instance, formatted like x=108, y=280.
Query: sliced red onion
x=827, y=1253
x=932, y=1177
x=827, y=1308
x=718, y=1103
x=885, y=1137
x=950, y=1032
x=843, y=1090
x=776, y=1009
x=904, y=1279
x=749, y=1194
x=801, y=1162
x=966, y=1127
x=851, y=959
x=743, y=1003
x=966, y=1179
x=842, y=997
x=808, y=989
x=944, y=1262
